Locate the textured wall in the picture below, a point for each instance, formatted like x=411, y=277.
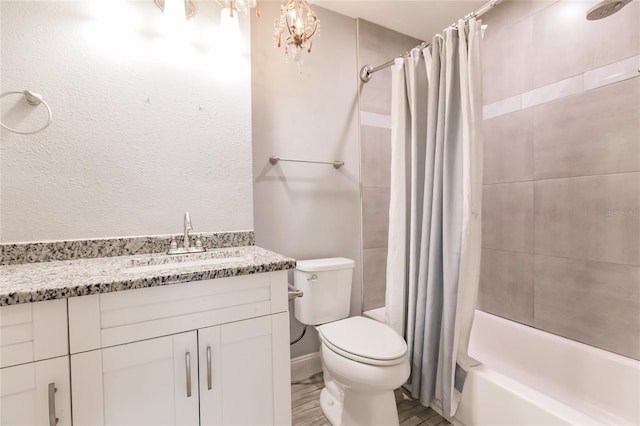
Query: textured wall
x=376, y=46
x=307, y=210
x=145, y=126
x=561, y=207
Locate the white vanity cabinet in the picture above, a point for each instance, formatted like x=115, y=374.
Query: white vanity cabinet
x=141, y=383
x=241, y=372
x=34, y=364
x=36, y=393
x=211, y=352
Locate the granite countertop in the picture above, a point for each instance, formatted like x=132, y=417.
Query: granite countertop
x=34, y=282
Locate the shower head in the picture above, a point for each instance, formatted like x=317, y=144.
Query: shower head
x=605, y=8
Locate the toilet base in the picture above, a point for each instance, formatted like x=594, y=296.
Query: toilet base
x=360, y=409
x=366, y=409
x=331, y=407
x=357, y=394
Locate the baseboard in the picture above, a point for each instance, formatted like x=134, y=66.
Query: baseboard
x=305, y=366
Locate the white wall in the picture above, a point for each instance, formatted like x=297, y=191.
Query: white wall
x=307, y=210
x=145, y=126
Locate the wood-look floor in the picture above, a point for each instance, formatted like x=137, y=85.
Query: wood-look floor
x=305, y=402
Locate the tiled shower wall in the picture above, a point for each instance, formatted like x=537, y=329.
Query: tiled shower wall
x=376, y=45
x=561, y=202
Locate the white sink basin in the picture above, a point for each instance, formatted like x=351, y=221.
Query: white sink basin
x=185, y=261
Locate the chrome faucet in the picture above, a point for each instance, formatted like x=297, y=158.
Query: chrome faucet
x=186, y=244
x=187, y=228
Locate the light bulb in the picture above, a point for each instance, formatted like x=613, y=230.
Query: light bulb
x=230, y=31
x=229, y=24
x=174, y=16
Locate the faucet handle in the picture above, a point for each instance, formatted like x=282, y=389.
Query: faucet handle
x=198, y=242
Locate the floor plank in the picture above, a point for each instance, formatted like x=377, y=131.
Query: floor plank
x=305, y=403
x=411, y=421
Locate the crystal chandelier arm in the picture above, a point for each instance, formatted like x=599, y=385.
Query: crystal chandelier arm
x=301, y=24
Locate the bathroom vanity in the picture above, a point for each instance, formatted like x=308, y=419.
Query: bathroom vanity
x=147, y=339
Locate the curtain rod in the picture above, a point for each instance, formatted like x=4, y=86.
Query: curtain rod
x=367, y=71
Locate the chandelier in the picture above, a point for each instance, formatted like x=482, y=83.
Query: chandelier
x=240, y=6
x=295, y=28
x=181, y=10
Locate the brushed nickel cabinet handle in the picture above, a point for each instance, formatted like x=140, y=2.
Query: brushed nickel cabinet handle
x=208, y=367
x=187, y=361
x=53, y=420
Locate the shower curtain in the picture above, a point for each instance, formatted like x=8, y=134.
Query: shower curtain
x=434, y=247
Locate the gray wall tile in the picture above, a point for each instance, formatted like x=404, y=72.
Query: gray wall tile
x=559, y=46
x=614, y=38
x=377, y=45
x=595, y=132
x=566, y=44
x=508, y=144
x=592, y=218
x=501, y=81
x=374, y=277
x=512, y=12
x=507, y=217
x=506, y=285
x=375, y=217
x=375, y=166
x=583, y=154
x=592, y=302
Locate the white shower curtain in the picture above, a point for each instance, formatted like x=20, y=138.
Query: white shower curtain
x=433, y=261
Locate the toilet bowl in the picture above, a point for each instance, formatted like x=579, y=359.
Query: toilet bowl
x=363, y=360
x=366, y=369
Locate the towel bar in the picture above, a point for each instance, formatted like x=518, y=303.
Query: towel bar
x=337, y=164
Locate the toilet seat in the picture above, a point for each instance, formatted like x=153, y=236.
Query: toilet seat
x=364, y=340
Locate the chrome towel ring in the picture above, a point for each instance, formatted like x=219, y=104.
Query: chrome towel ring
x=33, y=99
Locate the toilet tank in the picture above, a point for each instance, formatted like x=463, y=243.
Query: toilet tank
x=326, y=284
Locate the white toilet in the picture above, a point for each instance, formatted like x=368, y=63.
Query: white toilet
x=363, y=360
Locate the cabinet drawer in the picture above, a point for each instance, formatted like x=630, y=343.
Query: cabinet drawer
x=33, y=332
x=109, y=319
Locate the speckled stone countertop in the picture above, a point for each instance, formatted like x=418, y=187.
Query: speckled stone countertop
x=33, y=282
x=48, y=251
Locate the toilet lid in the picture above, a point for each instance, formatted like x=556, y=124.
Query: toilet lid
x=329, y=264
x=363, y=338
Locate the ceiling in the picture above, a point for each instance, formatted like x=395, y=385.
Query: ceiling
x=421, y=19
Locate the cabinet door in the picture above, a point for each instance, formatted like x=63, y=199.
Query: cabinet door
x=152, y=382
x=36, y=393
x=244, y=372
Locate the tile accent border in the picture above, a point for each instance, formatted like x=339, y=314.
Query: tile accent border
x=612, y=73
x=375, y=120
x=47, y=251
x=592, y=79
x=502, y=107
x=551, y=92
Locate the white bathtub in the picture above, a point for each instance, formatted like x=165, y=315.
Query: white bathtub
x=530, y=377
